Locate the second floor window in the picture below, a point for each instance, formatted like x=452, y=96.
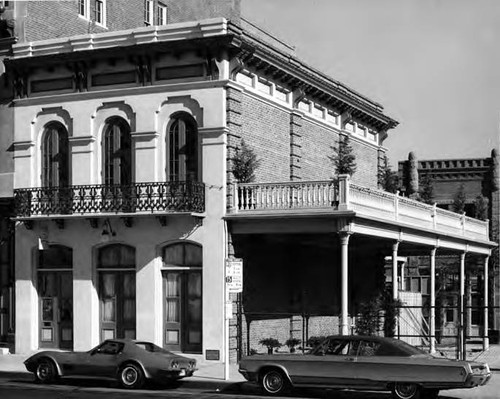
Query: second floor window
x=100, y=12
x=182, y=144
x=162, y=14
x=148, y=12
x=83, y=8
x=117, y=153
x=55, y=158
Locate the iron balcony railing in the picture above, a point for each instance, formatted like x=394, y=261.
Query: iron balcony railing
x=343, y=195
x=179, y=196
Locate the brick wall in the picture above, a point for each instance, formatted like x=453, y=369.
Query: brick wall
x=317, y=146
x=193, y=10
x=366, y=164
x=266, y=129
x=51, y=19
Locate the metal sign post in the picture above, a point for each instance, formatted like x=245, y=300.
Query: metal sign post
x=233, y=284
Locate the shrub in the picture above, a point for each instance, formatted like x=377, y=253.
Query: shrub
x=270, y=343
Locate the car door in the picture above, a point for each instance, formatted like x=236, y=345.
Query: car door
x=103, y=361
x=372, y=369
x=333, y=364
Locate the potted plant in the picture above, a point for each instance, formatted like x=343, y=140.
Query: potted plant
x=292, y=343
x=270, y=343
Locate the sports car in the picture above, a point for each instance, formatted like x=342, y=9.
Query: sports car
x=130, y=362
x=364, y=363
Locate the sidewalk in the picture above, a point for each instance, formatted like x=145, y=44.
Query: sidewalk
x=209, y=374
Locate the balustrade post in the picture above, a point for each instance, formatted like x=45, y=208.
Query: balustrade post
x=434, y=216
x=344, y=188
x=396, y=205
x=236, y=199
x=462, y=222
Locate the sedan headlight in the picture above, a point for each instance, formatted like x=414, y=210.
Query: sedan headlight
x=174, y=364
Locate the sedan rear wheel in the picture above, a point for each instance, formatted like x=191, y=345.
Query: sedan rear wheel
x=45, y=371
x=131, y=376
x=404, y=390
x=274, y=382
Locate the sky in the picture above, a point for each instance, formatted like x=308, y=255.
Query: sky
x=434, y=65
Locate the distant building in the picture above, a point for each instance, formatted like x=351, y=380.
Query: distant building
x=472, y=184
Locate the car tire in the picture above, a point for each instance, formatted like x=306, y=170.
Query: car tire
x=406, y=390
x=274, y=382
x=45, y=371
x=131, y=376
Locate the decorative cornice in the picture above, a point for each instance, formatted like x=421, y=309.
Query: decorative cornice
x=144, y=136
x=81, y=140
x=23, y=145
x=289, y=70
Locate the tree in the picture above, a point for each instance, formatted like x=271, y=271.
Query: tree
x=481, y=207
x=412, y=186
x=426, y=189
x=459, y=200
x=344, y=161
x=245, y=164
x=388, y=180
x=368, y=320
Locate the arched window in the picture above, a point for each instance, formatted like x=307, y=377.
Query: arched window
x=55, y=159
x=182, y=149
x=117, y=152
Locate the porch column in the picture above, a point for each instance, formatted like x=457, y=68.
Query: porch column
x=486, y=341
x=344, y=244
x=395, y=270
x=461, y=310
x=432, y=321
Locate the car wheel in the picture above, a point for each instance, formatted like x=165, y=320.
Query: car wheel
x=45, y=371
x=404, y=390
x=131, y=376
x=274, y=382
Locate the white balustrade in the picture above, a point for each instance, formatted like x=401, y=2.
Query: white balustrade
x=344, y=195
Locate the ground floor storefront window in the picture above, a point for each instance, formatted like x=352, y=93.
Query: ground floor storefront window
x=117, y=291
x=55, y=296
x=182, y=287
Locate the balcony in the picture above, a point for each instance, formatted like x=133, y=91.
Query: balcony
x=165, y=197
x=342, y=195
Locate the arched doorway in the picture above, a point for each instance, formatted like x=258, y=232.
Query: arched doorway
x=116, y=275
x=55, y=295
x=182, y=288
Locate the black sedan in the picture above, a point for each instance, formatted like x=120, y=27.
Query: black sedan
x=130, y=362
x=365, y=363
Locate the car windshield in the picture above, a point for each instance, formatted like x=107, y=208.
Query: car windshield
x=150, y=347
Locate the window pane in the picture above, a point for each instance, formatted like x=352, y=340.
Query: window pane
x=108, y=285
x=129, y=310
x=108, y=310
x=116, y=255
x=47, y=284
x=129, y=285
x=194, y=255
x=56, y=256
x=173, y=255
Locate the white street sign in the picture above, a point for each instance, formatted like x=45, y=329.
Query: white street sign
x=234, y=275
